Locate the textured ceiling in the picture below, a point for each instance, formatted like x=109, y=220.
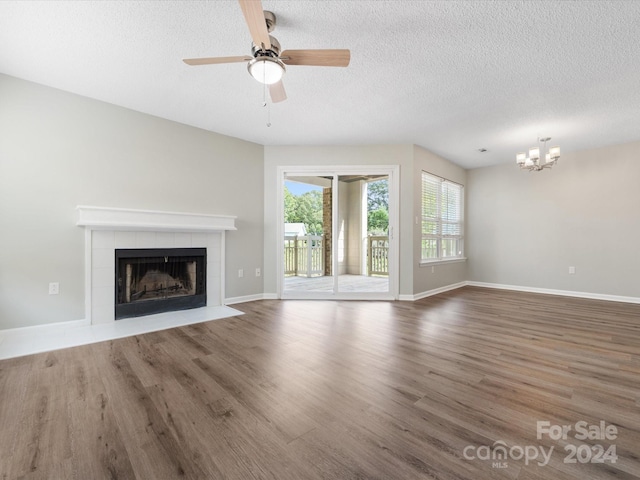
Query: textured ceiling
x=451, y=76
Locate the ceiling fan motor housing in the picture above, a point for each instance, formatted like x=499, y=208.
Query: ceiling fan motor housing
x=274, y=51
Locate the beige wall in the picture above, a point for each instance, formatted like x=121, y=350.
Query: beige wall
x=59, y=150
x=526, y=229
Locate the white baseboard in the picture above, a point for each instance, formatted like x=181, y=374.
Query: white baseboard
x=45, y=326
x=563, y=293
x=428, y=293
x=519, y=288
x=250, y=298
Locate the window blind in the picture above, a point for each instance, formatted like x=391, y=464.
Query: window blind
x=442, y=218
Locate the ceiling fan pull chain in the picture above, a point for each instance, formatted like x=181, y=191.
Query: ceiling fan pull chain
x=268, y=106
x=265, y=103
x=264, y=94
x=268, y=115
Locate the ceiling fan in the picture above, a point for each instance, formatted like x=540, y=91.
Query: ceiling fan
x=266, y=62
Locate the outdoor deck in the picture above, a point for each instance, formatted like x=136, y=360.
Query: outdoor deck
x=347, y=283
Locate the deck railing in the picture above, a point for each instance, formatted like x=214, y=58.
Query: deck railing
x=304, y=255
x=377, y=255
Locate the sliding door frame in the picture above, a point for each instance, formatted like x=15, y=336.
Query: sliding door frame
x=393, y=173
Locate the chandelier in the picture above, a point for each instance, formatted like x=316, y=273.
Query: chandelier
x=538, y=158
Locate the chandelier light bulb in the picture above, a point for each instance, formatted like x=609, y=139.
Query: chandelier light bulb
x=534, y=153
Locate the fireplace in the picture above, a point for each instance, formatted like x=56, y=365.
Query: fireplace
x=159, y=280
x=108, y=229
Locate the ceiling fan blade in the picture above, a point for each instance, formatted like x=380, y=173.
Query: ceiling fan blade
x=254, y=16
x=216, y=60
x=319, y=58
x=277, y=93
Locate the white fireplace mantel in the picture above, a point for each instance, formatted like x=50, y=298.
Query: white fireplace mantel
x=108, y=229
x=106, y=218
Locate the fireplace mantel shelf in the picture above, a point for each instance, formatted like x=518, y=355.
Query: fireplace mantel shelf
x=106, y=218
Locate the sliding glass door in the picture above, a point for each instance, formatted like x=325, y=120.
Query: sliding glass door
x=337, y=230
x=308, y=248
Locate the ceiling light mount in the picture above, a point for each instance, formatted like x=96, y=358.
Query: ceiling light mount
x=270, y=19
x=539, y=158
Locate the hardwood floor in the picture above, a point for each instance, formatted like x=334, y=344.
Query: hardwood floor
x=337, y=390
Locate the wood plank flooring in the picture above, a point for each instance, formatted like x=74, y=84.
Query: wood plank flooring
x=337, y=390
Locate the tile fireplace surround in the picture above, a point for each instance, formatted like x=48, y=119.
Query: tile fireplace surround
x=109, y=228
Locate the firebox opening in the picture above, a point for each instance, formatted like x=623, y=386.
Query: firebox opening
x=159, y=280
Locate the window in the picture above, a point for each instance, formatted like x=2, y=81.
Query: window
x=442, y=219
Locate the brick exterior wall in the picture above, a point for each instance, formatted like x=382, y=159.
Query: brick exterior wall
x=326, y=228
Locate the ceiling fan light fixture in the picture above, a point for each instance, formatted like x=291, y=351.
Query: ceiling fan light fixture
x=266, y=69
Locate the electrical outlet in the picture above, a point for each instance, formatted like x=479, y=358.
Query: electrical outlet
x=240, y=273
x=572, y=270
x=258, y=273
x=54, y=288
